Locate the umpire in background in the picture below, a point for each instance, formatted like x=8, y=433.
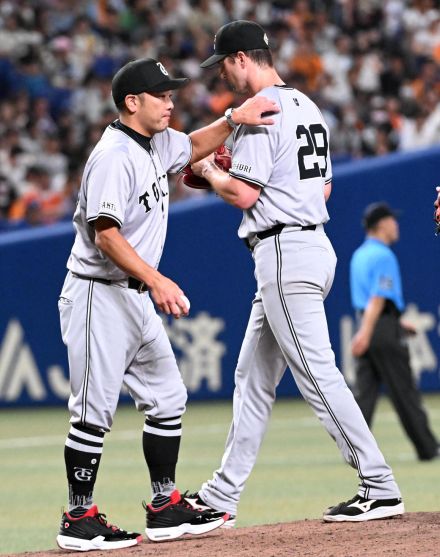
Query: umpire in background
x=380, y=344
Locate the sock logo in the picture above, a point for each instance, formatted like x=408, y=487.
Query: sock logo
x=83, y=474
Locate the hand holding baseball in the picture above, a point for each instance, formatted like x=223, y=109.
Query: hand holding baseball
x=181, y=307
x=186, y=302
x=168, y=297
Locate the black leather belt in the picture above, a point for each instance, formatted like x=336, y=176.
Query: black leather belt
x=133, y=283
x=276, y=230
x=137, y=285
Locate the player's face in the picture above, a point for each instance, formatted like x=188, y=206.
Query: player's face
x=154, y=111
x=231, y=71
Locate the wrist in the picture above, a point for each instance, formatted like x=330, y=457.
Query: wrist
x=152, y=278
x=231, y=117
x=208, y=167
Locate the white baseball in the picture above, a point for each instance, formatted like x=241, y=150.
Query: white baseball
x=186, y=301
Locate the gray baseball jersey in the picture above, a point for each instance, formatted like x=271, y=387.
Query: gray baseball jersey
x=288, y=160
x=113, y=333
x=127, y=182
x=294, y=269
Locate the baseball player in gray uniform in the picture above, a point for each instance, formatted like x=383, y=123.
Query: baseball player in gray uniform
x=108, y=321
x=281, y=177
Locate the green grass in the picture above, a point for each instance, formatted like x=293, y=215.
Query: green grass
x=299, y=471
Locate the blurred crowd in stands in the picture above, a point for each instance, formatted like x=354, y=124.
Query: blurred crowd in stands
x=373, y=66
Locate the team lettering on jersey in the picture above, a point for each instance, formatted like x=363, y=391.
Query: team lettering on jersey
x=143, y=199
x=157, y=192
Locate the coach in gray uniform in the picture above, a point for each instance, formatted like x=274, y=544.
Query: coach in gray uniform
x=281, y=177
x=108, y=321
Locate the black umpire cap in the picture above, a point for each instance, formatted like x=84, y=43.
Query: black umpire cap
x=235, y=36
x=376, y=212
x=143, y=76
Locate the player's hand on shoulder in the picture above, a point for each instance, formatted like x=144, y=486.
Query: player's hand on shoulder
x=256, y=111
x=169, y=297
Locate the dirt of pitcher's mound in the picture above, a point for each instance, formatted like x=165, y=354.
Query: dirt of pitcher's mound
x=413, y=535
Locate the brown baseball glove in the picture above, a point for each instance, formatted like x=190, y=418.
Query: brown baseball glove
x=222, y=158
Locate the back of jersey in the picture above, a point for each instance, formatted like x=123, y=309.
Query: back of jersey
x=289, y=160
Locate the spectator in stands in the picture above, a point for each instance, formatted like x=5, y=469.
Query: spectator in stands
x=8, y=195
x=56, y=59
x=39, y=204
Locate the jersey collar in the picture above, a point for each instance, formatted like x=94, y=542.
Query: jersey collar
x=142, y=140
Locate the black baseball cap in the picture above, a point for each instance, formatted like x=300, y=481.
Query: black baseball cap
x=144, y=75
x=235, y=36
x=375, y=212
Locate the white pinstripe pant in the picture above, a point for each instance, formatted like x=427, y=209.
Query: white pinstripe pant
x=114, y=336
x=287, y=325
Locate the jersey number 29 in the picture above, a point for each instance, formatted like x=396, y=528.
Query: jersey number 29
x=312, y=134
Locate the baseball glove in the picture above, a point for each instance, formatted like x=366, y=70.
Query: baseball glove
x=222, y=158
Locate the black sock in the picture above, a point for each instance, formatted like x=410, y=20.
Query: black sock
x=77, y=512
x=82, y=454
x=161, y=443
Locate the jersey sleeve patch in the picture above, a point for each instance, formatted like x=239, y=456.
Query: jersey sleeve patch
x=109, y=185
x=384, y=276
x=246, y=178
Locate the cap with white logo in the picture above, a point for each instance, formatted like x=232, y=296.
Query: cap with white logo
x=144, y=75
x=235, y=36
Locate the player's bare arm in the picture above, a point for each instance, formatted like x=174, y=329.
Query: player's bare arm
x=166, y=294
x=361, y=340
x=239, y=193
x=254, y=111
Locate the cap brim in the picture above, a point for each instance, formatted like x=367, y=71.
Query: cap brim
x=213, y=60
x=169, y=85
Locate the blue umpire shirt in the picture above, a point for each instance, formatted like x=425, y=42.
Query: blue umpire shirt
x=374, y=271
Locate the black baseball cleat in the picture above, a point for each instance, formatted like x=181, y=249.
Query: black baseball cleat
x=91, y=531
x=359, y=509
x=169, y=518
x=197, y=503
x=432, y=456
